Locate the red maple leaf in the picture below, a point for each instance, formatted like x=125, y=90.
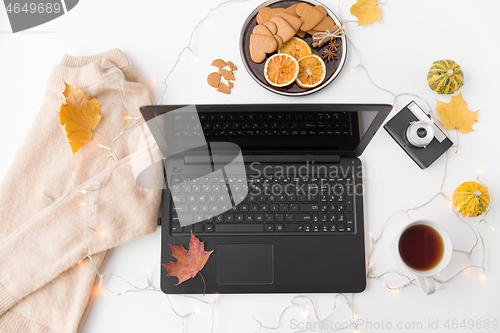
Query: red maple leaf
x=189, y=263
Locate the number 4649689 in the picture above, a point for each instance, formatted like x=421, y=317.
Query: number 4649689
x=34, y=8
x=471, y=324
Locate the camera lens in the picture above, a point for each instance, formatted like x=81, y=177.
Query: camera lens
x=422, y=132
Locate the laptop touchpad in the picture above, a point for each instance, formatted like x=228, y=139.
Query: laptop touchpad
x=245, y=264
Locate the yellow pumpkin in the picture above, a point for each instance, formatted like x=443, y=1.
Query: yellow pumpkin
x=471, y=199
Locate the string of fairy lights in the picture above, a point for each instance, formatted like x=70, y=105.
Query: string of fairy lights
x=90, y=200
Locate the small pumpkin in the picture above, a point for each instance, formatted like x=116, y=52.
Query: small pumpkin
x=471, y=199
x=445, y=76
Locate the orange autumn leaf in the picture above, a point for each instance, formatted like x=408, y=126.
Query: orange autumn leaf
x=189, y=263
x=367, y=11
x=455, y=115
x=79, y=117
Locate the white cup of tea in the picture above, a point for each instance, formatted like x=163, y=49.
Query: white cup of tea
x=424, y=248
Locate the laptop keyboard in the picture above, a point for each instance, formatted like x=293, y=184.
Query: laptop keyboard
x=274, y=205
x=263, y=124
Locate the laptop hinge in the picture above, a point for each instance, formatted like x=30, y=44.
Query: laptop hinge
x=270, y=159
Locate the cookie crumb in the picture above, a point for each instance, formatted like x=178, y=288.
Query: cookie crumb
x=232, y=66
x=228, y=75
x=213, y=79
x=223, y=88
x=219, y=63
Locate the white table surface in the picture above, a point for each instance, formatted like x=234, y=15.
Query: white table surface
x=398, y=53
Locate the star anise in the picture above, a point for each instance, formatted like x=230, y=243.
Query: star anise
x=332, y=46
x=329, y=54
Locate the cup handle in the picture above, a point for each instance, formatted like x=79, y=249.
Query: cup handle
x=426, y=283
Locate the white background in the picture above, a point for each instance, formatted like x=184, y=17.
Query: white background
x=397, y=53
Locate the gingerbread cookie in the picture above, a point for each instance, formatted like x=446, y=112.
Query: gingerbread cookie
x=271, y=26
x=262, y=30
x=280, y=41
x=301, y=34
x=321, y=9
x=285, y=30
x=260, y=45
x=291, y=10
x=309, y=15
x=266, y=13
x=324, y=25
x=294, y=21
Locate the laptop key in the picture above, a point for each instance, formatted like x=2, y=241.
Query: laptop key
x=303, y=217
x=349, y=204
x=341, y=227
x=280, y=227
x=269, y=227
x=239, y=228
x=307, y=227
x=350, y=226
x=176, y=229
x=198, y=228
x=333, y=227
x=315, y=227
x=294, y=227
x=324, y=227
x=309, y=207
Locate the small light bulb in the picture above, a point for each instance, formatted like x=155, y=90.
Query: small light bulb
x=481, y=171
x=196, y=58
x=482, y=277
x=492, y=228
x=102, y=233
x=304, y=313
x=196, y=310
x=104, y=147
x=355, y=316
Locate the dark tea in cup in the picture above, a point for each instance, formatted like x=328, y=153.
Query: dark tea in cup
x=421, y=247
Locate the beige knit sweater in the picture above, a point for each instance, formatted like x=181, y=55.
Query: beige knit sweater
x=43, y=287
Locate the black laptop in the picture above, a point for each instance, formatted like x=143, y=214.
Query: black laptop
x=308, y=238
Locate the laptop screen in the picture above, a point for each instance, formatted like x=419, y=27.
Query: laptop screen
x=267, y=128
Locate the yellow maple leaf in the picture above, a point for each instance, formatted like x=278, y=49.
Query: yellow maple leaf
x=367, y=11
x=79, y=117
x=455, y=115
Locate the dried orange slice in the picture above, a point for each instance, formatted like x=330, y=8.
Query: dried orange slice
x=281, y=69
x=312, y=71
x=295, y=47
